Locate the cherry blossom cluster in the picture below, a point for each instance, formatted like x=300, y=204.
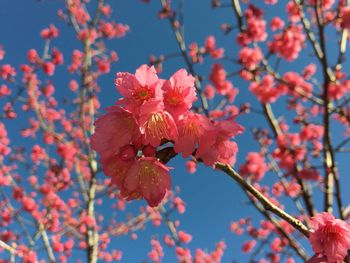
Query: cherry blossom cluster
x=151, y=114
x=289, y=43
x=62, y=194
x=215, y=256
x=223, y=86
x=267, y=90
x=197, y=53
x=45, y=194
x=264, y=230
x=256, y=27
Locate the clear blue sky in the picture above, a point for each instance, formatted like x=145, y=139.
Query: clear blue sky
x=213, y=200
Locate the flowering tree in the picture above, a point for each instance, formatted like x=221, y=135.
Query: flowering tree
x=69, y=183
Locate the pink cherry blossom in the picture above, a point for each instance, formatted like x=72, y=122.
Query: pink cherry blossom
x=250, y=57
x=289, y=43
x=191, y=166
x=194, y=53
x=309, y=71
x=248, y=246
x=28, y=204
x=312, y=132
x=345, y=15
x=157, y=251
x=276, y=23
x=57, y=57
x=294, y=11
x=179, y=93
x=210, y=47
x=116, y=168
x=147, y=178
x=218, y=77
x=209, y=92
x=254, y=166
x=223, y=150
x=49, y=68
x=271, y=2
x=49, y=32
x=7, y=71
x=184, y=237
x=194, y=129
x=32, y=55
x=156, y=124
x=4, y=91
x=338, y=90
x=139, y=88
x=330, y=237
x=169, y=241
x=289, y=150
x=296, y=85
x=256, y=27
x=87, y=34
x=114, y=130
x=265, y=90
x=309, y=174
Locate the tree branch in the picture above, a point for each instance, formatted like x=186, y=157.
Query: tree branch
x=296, y=223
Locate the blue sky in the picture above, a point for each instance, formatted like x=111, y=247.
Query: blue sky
x=213, y=199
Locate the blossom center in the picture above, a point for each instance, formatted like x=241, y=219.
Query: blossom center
x=143, y=93
x=331, y=229
x=173, y=101
x=173, y=97
x=148, y=175
x=191, y=129
x=158, y=126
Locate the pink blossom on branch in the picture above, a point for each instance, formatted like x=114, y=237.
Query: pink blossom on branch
x=179, y=93
x=150, y=113
x=250, y=57
x=49, y=32
x=254, y=166
x=218, y=76
x=256, y=27
x=210, y=47
x=194, y=130
x=147, y=178
x=114, y=130
x=276, y=23
x=223, y=150
x=265, y=90
x=289, y=43
x=156, y=124
x=139, y=88
x=330, y=237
